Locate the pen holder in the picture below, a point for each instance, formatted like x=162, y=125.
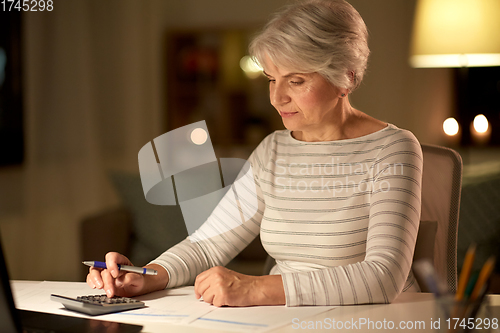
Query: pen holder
x=463, y=316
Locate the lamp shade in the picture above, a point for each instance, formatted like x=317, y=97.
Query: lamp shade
x=456, y=33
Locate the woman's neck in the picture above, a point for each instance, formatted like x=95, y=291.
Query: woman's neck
x=348, y=124
x=334, y=128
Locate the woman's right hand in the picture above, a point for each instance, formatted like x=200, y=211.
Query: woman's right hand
x=121, y=283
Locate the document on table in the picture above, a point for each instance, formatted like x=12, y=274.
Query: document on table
x=176, y=306
x=256, y=319
x=179, y=306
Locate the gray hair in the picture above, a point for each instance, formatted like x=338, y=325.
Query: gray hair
x=328, y=37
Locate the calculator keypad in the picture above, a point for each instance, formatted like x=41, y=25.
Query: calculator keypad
x=103, y=299
x=98, y=304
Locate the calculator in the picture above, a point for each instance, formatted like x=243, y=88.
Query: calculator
x=98, y=304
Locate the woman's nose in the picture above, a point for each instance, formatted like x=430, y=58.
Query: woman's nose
x=279, y=94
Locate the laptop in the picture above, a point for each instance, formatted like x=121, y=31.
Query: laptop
x=13, y=320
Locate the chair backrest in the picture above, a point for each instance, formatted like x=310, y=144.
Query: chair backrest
x=441, y=189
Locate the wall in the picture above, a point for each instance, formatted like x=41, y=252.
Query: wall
x=94, y=81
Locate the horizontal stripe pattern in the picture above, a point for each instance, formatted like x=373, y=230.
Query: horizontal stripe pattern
x=340, y=218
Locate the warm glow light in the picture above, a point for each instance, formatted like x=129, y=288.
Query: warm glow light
x=454, y=60
x=199, y=136
x=250, y=67
x=450, y=126
x=456, y=33
x=480, y=123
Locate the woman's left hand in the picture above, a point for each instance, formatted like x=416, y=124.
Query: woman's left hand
x=223, y=287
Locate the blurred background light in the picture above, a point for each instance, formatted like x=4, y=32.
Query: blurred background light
x=250, y=67
x=480, y=124
x=450, y=126
x=199, y=136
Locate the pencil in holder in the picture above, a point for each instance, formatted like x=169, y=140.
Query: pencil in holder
x=463, y=316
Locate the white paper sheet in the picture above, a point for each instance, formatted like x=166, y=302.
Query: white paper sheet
x=255, y=319
x=177, y=306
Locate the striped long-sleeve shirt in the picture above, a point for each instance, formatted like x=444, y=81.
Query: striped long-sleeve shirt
x=340, y=218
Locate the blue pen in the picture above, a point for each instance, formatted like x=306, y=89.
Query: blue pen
x=133, y=269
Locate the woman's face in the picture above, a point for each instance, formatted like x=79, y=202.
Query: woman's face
x=306, y=101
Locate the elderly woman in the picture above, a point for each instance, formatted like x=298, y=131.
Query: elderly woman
x=338, y=191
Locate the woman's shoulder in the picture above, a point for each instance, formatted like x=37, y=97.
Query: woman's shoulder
x=273, y=139
x=400, y=135
x=268, y=146
x=402, y=141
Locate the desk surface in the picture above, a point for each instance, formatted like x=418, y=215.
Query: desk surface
x=409, y=312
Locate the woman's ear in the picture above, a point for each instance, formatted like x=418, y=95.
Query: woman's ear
x=352, y=78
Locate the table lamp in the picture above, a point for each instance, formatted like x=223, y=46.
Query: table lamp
x=457, y=34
